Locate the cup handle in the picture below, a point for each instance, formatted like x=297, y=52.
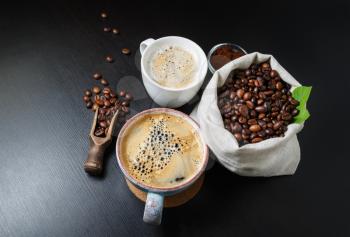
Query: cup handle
x=144, y=44
x=153, y=208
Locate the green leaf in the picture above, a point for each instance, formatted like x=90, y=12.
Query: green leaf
x=302, y=94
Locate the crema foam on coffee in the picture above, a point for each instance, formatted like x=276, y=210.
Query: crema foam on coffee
x=173, y=67
x=161, y=150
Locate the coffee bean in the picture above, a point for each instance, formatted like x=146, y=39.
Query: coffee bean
x=104, y=15
x=125, y=103
x=240, y=93
x=115, y=31
x=89, y=104
x=97, y=76
x=279, y=85
x=247, y=96
x=100, y=132
x=122, y=93
x=252, y=121
x=95, y=107
x=88, y=93
x=242, y=120
x=255, y=128
x=294, y=101
x=260, y=109
x=86, y=98
x=243, y=110
x=96, y=89
x=232, y=95
x=277, y=125
x=103, y=124
x=250, y=104
x=295, y=112
x=107, y=103
x=260, y=116
x=126, y=51
x=265, y=65
x=125, y=109
x=128, y=96
x=106, y=29
x=286, y=116
x=104, y=82
x=236, y=127
x=257, y=139
x=238, y=136
x=109, y=59
x=273, y=73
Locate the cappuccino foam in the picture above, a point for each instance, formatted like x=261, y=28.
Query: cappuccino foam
x=161, y=150
x=173, y=67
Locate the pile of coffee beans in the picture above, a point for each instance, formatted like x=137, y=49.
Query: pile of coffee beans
x=256, y=104
x=107, y=102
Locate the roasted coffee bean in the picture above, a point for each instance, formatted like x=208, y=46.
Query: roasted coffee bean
x=89, y=105
x=277, y=125
x=107, y=103
x=232, y=95
x=279, y=85
x=255, y=128
x=109, y=59
x=104, y=82
x=286, y=116
x=122, y=93
x=252, y=121
x=125, y=103
x=247, y=96
x=260, y=109
x=115, y=31
x=128, y=96
x=273, y=73
x=88, y=93
x=126, y=51
x=97, y=76
x=95, y=107
x=257, y=139
x=293, y=101
x=261, y=116
x=243, y=110
x=112, y=94
x=103, y=124
x=295, y=112
x=250, y=104
x=242, y=120
x=240, y=93
x=236, y=127
x=238, y=136
x=99, y=132
x=96, y=89
x=86, y=98
x=125, y=109
x=104, y=15
x=106, y=29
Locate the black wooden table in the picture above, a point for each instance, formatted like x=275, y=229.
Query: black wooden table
x=48, y=53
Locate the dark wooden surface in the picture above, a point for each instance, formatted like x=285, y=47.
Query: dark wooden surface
x=48, y=52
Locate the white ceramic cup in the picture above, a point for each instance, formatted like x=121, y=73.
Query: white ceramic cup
x=166, y=96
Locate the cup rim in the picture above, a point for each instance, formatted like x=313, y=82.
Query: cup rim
x=162, y=189
x=191, y=85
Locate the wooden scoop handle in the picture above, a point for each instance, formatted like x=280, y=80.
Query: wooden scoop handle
x=94, y=163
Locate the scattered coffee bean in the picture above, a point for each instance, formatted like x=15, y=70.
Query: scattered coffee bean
x=104, y=15
x=126, y=51
x=106, y=29
x=122, y=93
x=109, y=59
x=104, y=82
x=88, y=93
x=256, y=104
x=89, y=105
x=115, y=31
x=96, y=89
x=97, y=76
x=86, y=98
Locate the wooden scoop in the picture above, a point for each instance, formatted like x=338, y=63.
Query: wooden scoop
x=94, y=163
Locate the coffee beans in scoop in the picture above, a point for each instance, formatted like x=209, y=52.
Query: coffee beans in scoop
x=107, y=102
x=256, y=104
